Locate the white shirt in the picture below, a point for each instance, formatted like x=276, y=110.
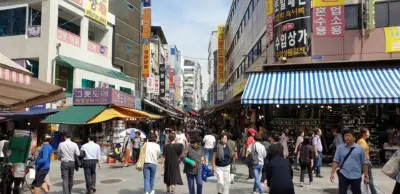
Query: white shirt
x=180, y=138
x=261, y=152
x=152, y=153
x=209, y=141
x=92, y=151
x=2, y=142
x=67, y=150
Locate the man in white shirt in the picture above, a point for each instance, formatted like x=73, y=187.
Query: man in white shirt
x=209, y=144
x=92, y=157
x=181, y=138
x=66, y=153
x=153, y=152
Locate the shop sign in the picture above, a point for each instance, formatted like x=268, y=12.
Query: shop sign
x=37, y=107
x=102, y=96
x=392, y=39
x=150, y=84
x=171, y=78
x=138, y=104
x=220, y=96
x=97, y=48
x=146, y=3
x=326, y=3
x=221, y=54
x=156, y=88
x=146, y=23
x=162, y=79
x=269, y=7
x=97, y=10
x=68, y=37
x=239, y=86
x=145, y=60
x=328, y=21
x=292, y=28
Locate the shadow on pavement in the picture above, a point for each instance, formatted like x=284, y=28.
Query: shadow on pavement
x=331, y=191
x=139, y=190
x=76, y=182
x=76, y=191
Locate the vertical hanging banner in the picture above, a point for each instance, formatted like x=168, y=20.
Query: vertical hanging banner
x=156, y=88
x=162, y=79
x=269, y=8
x=171, y=78
x=97, y=10
x=221, y=54
x=146, y=26
x=150, y=84
x=292, y=28
x=145, y=59
x=328, y=18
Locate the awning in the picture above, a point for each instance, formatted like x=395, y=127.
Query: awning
x=174, y=114
x=149, y=115
x=93, y=68
x=335, y=86
x=28, y=114
x=78, y=115
x=116, y=112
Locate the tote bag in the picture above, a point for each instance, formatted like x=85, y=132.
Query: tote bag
x=391, y=168
x=142, y=156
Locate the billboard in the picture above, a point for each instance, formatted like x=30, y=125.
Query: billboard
x=392, y=39
x=145, y=59
x=162, y=79
x=328, y=21
x=102, y=96
x=269, y=8
x=97, y=10
x=146, y=3
x=292, y=29
x=146, y=26
x=221, y=54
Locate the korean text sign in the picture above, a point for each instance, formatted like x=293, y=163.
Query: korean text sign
x=171, y=78
x=162, y=79
x=328, y=21
x=221, y=55
x=97, y=10
x=326, y=3
x=392, y=39
x=269, y=7
x=102, y=96
x=145, y=60
x=292, y=28
x=146, y=23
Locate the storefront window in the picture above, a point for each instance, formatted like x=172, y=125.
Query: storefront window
x=64, y=78
x=88, y=83
x=352, y=17
x=69, y=26
x=12, y=22
x=394, y=13
x=111, y=86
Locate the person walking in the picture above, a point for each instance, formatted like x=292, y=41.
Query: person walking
x=259, y=154
x=92, y=157
x=396, y=189
x=194, y=172
x=181, y=138
x=209, y=144
x=43, y=166
x=273, y=140
x=137, y=142
x=127, y=148
x=232, y=146
x=350, y=158
x=284, y=141
x=318, y=152
x=222, y=158
x=249, y=142
x=152, y=152
x=364, y=136
x=299, y=141
x=66, y=152
x=266, y=145
x=337, y=141
x=171, y=161
x=279, y=172
x=306, y=160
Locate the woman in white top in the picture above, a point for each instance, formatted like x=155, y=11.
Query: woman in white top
x=150, y=163
x=284, y=141
x=299, y=141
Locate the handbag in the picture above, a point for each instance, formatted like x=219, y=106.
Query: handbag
x=345, y=158
x=142, y=156
x=391, y=168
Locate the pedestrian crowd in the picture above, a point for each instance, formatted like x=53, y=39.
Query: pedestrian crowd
x=202, y=156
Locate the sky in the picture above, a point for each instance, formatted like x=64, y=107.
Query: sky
x=188, y=25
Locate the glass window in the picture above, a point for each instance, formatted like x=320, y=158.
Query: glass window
x=264, y=42
x=33, y=66
x=250, y=58
x=251, y=6
x=69, y=26
x=111, y=86
x=381, y=15
x=35, y=17
x=394, y=13
x=88, y=83
x=64, y=78
x=352, y=17
x=12, y=22
x=125, y=90
x=248, y=14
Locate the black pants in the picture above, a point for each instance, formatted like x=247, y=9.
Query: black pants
x=264, y=171
x=396, y=189
x=67, y=175
x=251, y=171
x=89, y=168
x=305, y=168
x=136, y=154
x=344, y=184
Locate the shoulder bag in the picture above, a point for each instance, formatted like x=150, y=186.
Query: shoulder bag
x=392, y=167
x=345, y=158
x=142, y=157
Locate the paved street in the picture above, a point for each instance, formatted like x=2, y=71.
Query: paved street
x=129, y=180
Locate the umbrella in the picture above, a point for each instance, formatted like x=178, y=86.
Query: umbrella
x=133, y=131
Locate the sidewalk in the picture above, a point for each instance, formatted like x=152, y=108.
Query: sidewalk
x=112, y=179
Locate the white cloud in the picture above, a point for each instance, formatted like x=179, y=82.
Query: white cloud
x=188, y=24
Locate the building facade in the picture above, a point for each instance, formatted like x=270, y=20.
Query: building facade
x=211, y=69
x=192, y=85
x=62, y=45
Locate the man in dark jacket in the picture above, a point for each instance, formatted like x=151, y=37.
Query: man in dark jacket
x=279, y=172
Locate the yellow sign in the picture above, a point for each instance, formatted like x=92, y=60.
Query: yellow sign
x=145, y=60
x=146, y=31
x=269, y=7
x=392, y=39
x=326, y=3
x=239, y=86
x=97, y=10
x=221, y=54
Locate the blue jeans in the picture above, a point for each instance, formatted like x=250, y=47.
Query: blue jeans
x=257, y=184
x=371, y=180
x=199, y=183
x=149, y=173
x=208, y=153
x=318, y=163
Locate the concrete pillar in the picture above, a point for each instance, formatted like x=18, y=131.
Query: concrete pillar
x=84, y=33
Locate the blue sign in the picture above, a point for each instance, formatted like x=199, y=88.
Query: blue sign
x=38, y=107
x=146, y=3
x=138, y=103
x=317, y=58
x=173, y=51
x=102, y=49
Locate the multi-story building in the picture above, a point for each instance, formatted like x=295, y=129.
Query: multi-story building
x=127, y=35
x=212, y=88
x=192, y=85
x=175, y=73
x=60, y=45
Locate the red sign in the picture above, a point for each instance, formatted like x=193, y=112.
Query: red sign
x=270, y=29
x=79, y=2
x=328, y=21
x=68, y=37
x=171, y=78
x=97, y=48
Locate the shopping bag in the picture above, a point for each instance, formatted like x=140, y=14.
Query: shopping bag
x=391, y=168
x=142, y=156
x=365, y=190
x=32, y=173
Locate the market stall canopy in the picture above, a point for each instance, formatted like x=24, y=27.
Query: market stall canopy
x=221, y=106
x=78, y=115
x=169, y=112
x=149, y=115
x=28, y=114
x=333, y=86
x=117, y=112
x=19, y=90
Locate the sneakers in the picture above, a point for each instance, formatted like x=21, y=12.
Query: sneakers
x=301, y=184
x=152, y=192
x=319, y=176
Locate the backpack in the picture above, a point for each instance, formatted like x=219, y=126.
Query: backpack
x=254, y=155
x=305, y=154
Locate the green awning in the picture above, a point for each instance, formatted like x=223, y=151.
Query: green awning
x=77, y=115
x=67, y=61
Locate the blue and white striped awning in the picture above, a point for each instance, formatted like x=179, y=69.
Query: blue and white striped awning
x=339, y=86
